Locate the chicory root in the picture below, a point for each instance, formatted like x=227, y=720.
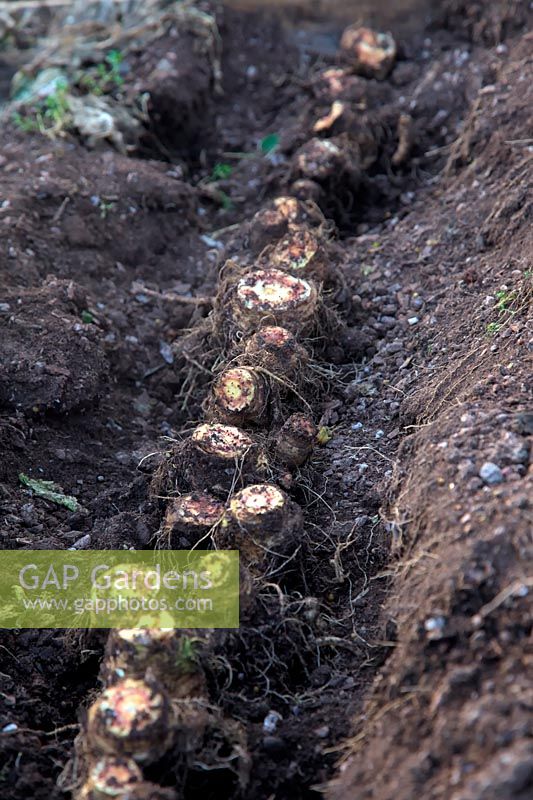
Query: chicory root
x=295, y=441
x=240, y=396
x=368, y=52
x=219, y=457
x=189, y=519
x=260, y=520
x=270, y=296
x=133, y=718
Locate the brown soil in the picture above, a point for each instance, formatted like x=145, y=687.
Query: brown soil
x=395, y=648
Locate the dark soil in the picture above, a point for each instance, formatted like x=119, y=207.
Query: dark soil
x=395, y=647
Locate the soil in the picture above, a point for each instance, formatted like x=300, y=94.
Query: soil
x=396, y=649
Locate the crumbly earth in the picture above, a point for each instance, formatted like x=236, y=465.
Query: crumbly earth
x=396, y=649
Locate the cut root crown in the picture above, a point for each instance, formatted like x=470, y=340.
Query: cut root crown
x=272, y=221
x=222, y=441
x=276, y=350
x=196, y=510
x=271, y=293
x=272, y=338
x=145, y=638
x=261, y=522
x=111, y=778
x=130, y=718
x=254, y=507
x=298, y=252
x=240, y=395
x=368, y=52
x=320, y=159
x=251, y=505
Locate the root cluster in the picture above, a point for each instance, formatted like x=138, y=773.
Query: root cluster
x=223, y=484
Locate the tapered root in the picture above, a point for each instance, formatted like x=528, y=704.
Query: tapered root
x=132, y=718
x=295, y=441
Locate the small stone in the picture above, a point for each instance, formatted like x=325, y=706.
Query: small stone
x=490, y=473
x=412, y=320
x=433, y=623
x=270, y=722
x=357, y=426
x=322, y=732
x=394, y=347
x=10, y=728
x=82, y=543
x=166, y=351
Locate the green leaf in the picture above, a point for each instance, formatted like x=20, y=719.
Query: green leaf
x=87, y=317
x=50, y=491
x=269, y=143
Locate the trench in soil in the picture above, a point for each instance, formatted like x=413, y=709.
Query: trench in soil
x=322, y=632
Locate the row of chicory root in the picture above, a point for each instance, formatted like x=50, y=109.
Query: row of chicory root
x=232, y=477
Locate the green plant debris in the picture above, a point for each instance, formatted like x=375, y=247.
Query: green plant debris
x=269, y=143
x=508, y=304
x=49, y=114
x=225, y=201
x=87, y=317
x=186, y=657
x=106, y=76
x=49, y=490
x=324, y=435
x=221, y=172
x=504, y=300
x=105, y=208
